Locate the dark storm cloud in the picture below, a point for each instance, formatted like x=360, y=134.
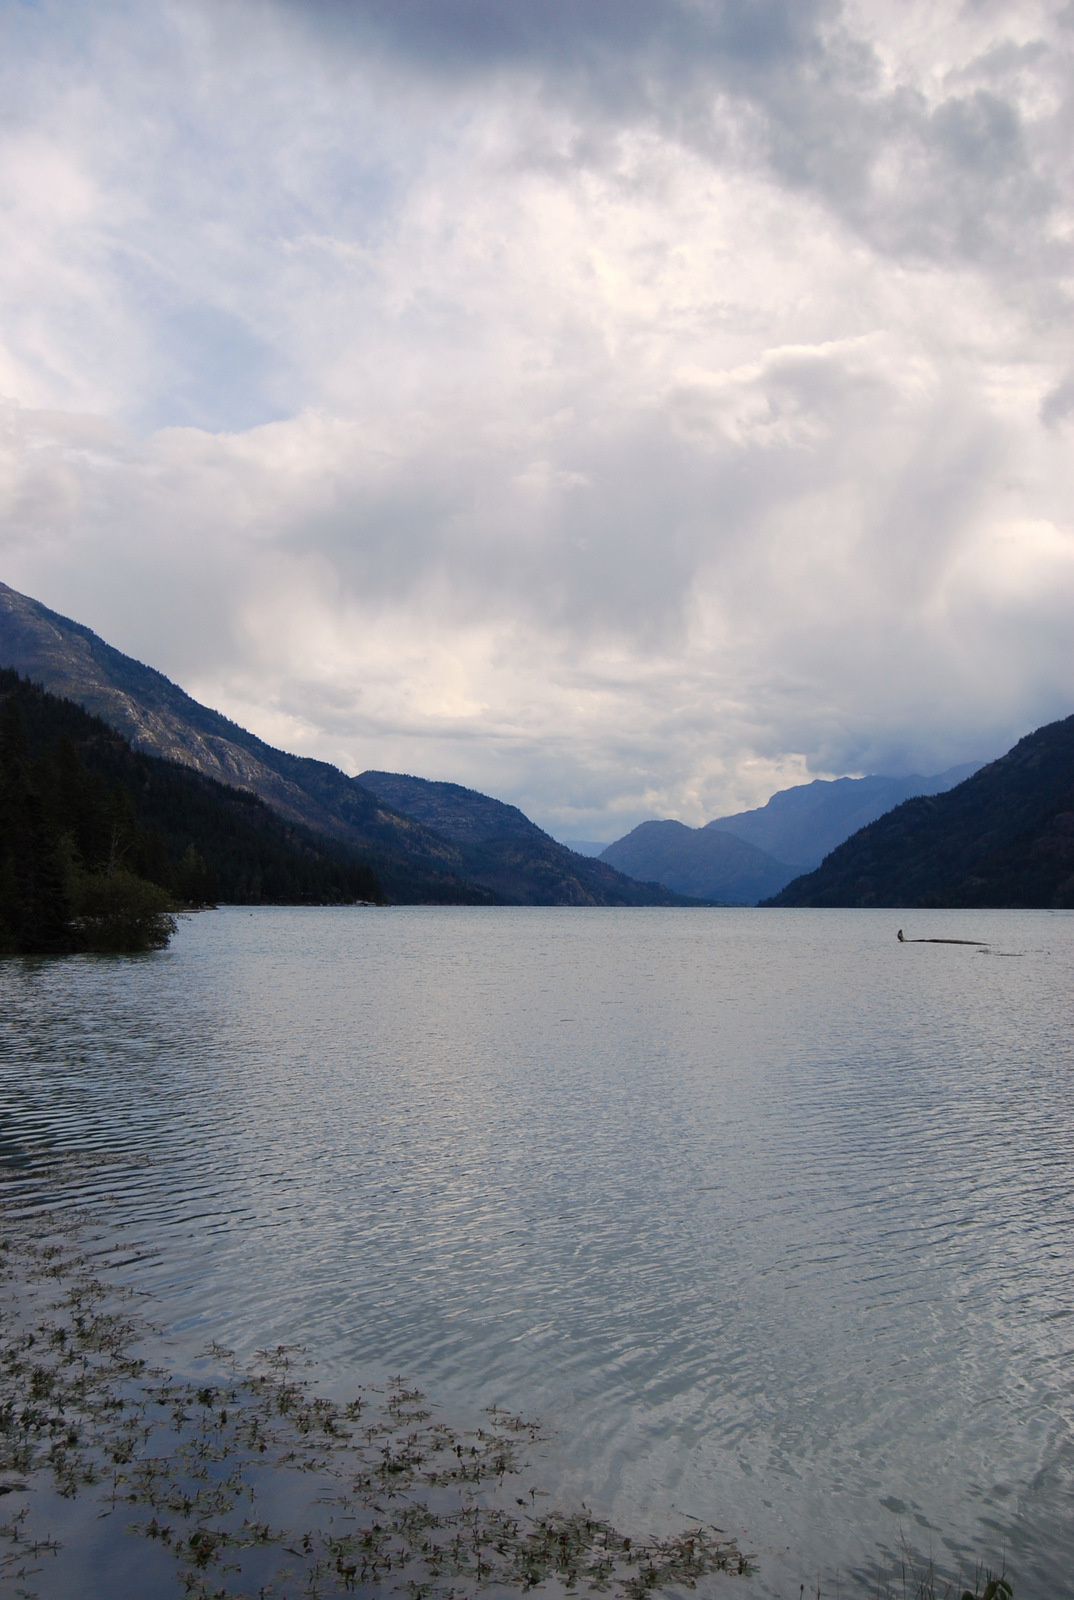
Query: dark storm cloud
x=788, y=83
x=577, y=36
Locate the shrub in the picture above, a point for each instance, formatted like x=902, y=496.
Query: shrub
x=120, y=913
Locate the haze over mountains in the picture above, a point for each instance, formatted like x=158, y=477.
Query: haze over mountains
x=1004, y=837
x=747, y=857
x=805, y=823
x=414, y=861
x=699, y=861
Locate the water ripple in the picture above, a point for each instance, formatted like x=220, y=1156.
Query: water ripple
x=769, y=1216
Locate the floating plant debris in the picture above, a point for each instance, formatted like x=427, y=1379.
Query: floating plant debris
x=253, y=1484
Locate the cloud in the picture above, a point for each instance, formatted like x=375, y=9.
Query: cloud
x=627, y=37
x=934, y=131
x=622, y=409
x=1058, y=403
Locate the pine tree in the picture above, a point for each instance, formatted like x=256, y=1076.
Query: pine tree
x=37, y=909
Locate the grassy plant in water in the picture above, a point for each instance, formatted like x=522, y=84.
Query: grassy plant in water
x=255, y=1485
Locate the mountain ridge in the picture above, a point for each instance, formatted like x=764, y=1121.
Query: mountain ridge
x=158, y=716
x=806, y=822
x=699, y=861
x=1003, y=837
x=412, y=860
x=497, y=840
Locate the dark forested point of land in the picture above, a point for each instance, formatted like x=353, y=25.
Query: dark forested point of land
x=100, y=844
x=1003, y=838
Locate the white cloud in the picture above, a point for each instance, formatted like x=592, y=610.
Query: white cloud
x=625, y=422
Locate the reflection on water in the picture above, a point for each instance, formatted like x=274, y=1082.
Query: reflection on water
x=768, y=1215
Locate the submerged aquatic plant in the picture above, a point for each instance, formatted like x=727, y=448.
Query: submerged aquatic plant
x=917, y=1580
x=254, y=1484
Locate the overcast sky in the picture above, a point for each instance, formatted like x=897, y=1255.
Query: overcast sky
x=625, y=407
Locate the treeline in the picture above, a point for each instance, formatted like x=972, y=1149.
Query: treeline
x=99, y=843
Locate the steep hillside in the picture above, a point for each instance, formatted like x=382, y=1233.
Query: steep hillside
x=805, y=823
x=503, y=851
x=156, y=716
x=463, y=815
x=414, y=861
x=1004, y=837
x=699, y=861
x=165, y=822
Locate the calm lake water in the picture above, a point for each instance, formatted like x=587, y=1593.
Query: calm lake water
x=769, y=1217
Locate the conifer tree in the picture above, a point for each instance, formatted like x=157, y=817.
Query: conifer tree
x=37, y=908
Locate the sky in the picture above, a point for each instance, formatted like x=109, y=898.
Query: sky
x=627, y=408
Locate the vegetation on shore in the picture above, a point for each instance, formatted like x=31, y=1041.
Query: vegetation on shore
x=100, y=844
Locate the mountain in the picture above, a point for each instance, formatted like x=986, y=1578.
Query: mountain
x=503, y=851
x=456, y=813
x=413, y=861
x=1004, y=837
x=101, y=806
x=156, y=716
x=807, y=822
x=699, y=861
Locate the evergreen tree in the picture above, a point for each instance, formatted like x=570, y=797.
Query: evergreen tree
x=36, y=908
x=80, y=810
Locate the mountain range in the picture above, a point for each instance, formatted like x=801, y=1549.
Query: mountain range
x=1002, y=834
x=699, y=861
x=743, y=858
x=805, y=823
x=1004, y=837
x=494, y=861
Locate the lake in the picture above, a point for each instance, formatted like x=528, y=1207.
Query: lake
x=769, y=1217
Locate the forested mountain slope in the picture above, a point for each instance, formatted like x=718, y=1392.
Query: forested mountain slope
x=156, y=716
x=1004, y=837
x=100, y=806
x=414, y=861
x=507, y=853
x=805, y=823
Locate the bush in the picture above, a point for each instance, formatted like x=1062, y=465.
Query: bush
x=120, y=913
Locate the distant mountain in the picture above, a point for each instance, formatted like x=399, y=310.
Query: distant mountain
x=456, y=813
x=412, y=860
x=805, y=823
x=699, y=861
x=586, y=847
x=503, y=851
x=1004, y=837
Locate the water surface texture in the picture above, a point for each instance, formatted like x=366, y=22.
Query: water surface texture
x=769, y=1217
